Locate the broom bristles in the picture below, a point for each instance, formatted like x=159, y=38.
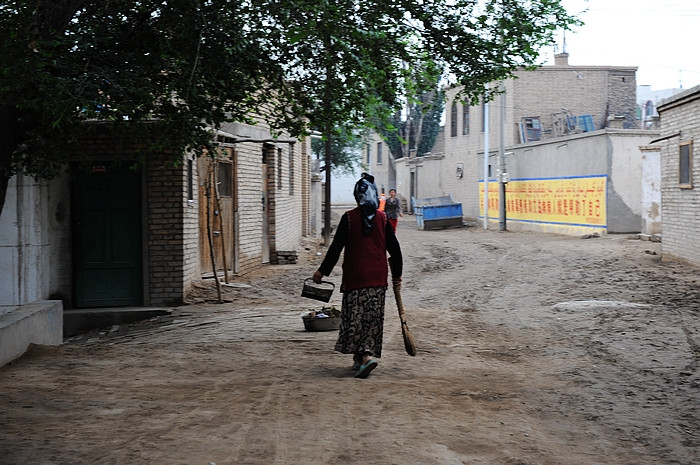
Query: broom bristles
x=408, y=341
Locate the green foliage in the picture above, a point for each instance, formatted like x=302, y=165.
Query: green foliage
x=431, y=124
x=417, y=125
x=186, y=66
x=346, y=151
x=482, y=42
x=344, y=54
x=181, y=66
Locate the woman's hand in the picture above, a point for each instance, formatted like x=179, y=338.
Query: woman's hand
x=317, y=277
x=396, y=283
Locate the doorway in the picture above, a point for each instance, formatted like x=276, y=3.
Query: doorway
x=107, y=236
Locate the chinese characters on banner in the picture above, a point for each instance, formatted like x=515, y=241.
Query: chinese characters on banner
x=574, y=200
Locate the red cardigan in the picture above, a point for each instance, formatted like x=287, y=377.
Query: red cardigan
x=364, y=263
x=365, y=260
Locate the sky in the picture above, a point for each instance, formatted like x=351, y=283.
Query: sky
x=660, y=37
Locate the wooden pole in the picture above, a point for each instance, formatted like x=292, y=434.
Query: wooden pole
x=209, y=233
x=221, y=224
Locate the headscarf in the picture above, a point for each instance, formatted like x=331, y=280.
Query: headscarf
x=367, y=200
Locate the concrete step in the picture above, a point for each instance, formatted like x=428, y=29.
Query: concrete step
x=81, y=320
x=39, y=322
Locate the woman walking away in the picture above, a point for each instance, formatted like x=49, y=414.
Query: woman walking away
x=393, y=209
x=366, y=236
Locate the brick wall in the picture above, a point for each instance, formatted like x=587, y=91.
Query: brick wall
x=170, y=241
x=192, y=272
x=249, y=217
x=171, y=220
x=597, y=91
x=172, y=232
x=680, y=122
x=286, y=211
x=286, y=193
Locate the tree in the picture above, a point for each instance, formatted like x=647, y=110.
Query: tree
x=344, y=54
x=345, y=151
x=417, y=124
x=182, y=66
x=355, y=58
x=186, y=66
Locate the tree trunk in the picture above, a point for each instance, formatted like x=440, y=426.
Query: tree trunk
x=327, y=193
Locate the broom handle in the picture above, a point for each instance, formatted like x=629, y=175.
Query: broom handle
x=399, y=304
x=397, y=295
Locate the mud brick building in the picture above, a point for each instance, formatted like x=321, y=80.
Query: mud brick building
x=680, y=175
x=542, y=104
x=562, y=126
x=123, y=227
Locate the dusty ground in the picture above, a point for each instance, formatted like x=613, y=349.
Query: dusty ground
x=533, y=349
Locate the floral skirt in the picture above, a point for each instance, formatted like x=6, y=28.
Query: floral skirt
x=362, y=321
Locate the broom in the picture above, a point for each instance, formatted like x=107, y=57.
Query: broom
x=408, y=341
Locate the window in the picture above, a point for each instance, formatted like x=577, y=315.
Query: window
x=453, y=120
x=225, y=179
x=380, y=153
x=685, y=166
x=291, y=170
x=465, y=119
x=649, y=108
x=190, y=180
x=279, y=168
x=530, y=129
x=369, y=154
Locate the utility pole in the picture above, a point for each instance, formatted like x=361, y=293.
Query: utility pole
x=502, y=165
x=486, y=164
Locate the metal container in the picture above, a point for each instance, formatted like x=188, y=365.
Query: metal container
x=322, y=291
x=437, y=212
x=312, y=323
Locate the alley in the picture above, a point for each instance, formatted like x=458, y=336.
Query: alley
x=533, y=349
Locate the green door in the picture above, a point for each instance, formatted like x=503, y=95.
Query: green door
x=107, y=236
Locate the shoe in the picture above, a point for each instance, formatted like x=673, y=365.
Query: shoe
x=356, y=366
x=365, y=370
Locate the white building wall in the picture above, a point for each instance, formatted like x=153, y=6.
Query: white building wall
x=616, y=154
x=24, y=243
x=288, y=188
x=249, y=216
x=626, y=180
x=651, y=190
x=288, y=199
x=60, y=239
x=466, y=151
x=26, y=258
x=342, y=186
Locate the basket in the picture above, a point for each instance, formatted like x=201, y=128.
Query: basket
x=315, y=291
x=312, y=323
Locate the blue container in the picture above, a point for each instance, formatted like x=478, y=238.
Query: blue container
x=437, y=212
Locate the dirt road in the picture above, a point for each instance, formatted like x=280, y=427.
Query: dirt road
x=532, y=349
